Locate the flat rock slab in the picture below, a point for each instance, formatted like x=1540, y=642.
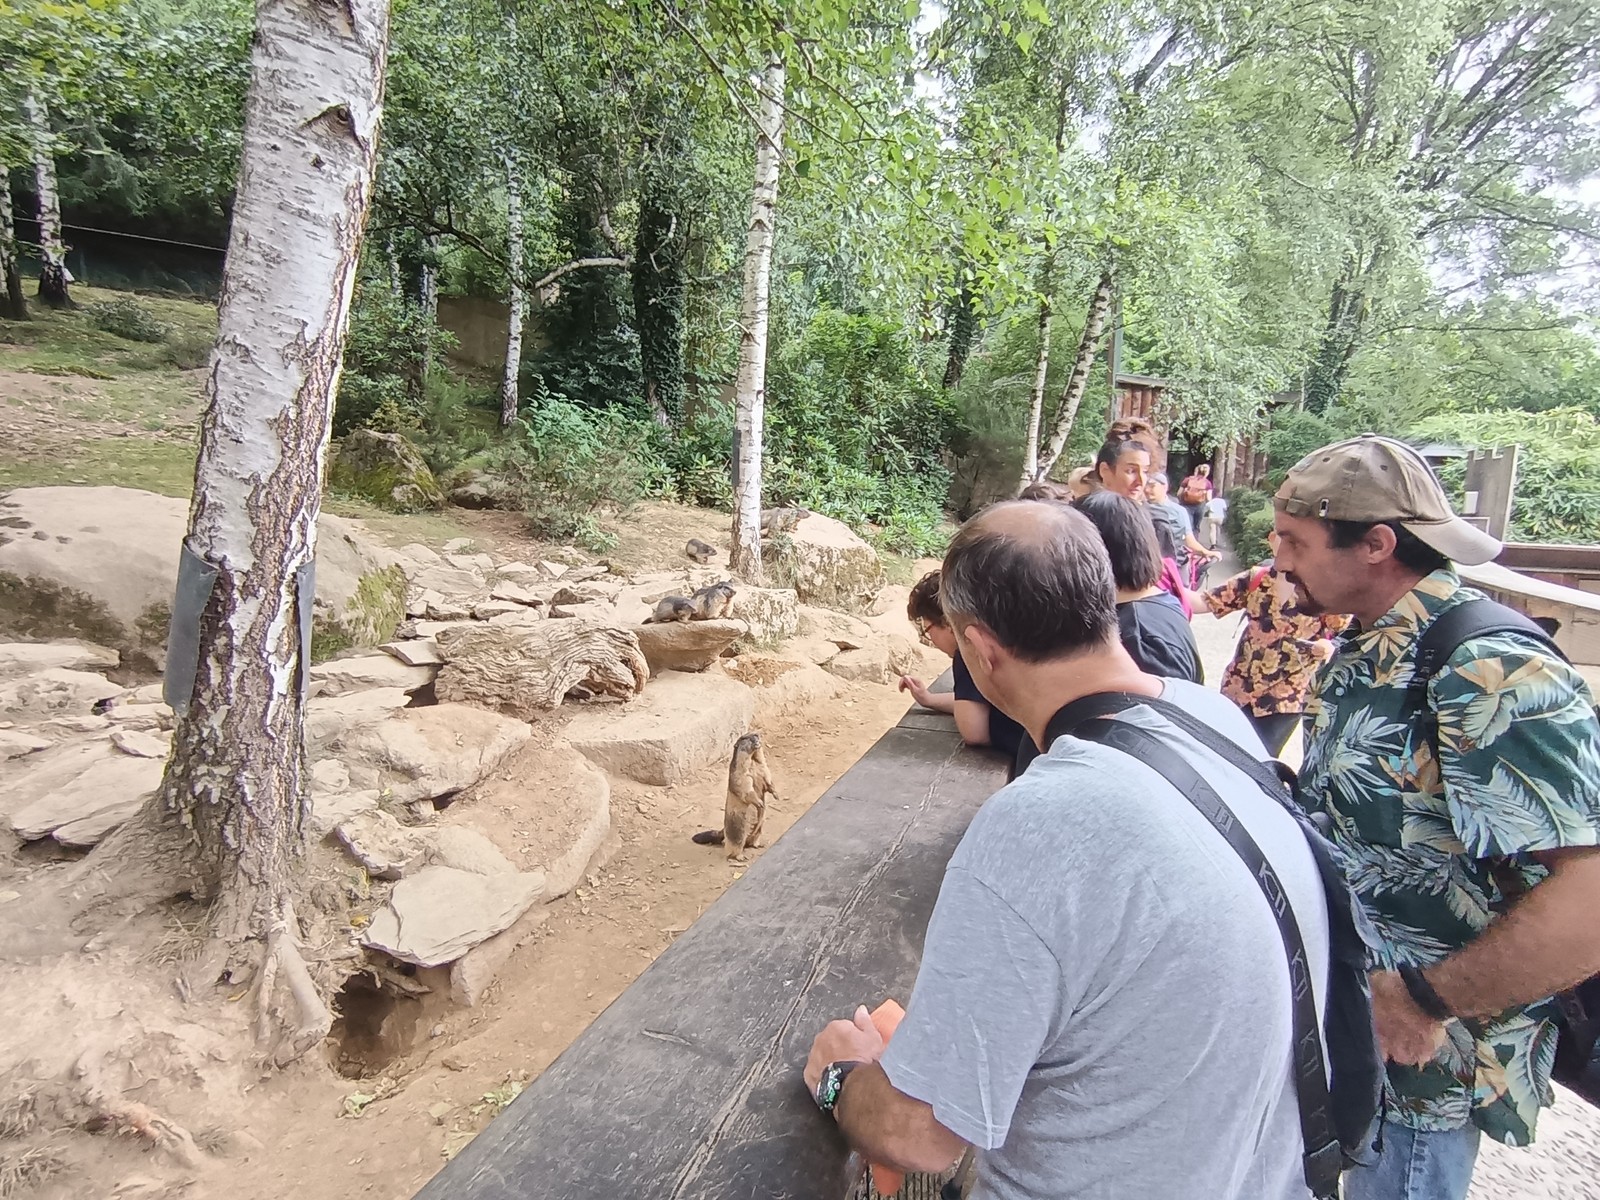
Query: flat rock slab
x=440, y=913
x=24, y=658
x=92, y=802
x=332, y=809
x=422, y=652
x=474, y=971
x=330, y=719
x=53, y=692
x=773, y=614
x=345, y=675
x=18, y=745
x=679, y=724
x=557, y=805
x=424, y=753
x=868, y=664
x=141, y=745
x=467, y=850
x=516, y=593
x=687, y=645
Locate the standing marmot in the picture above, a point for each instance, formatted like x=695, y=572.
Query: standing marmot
x=749, y=785
x=714, y=602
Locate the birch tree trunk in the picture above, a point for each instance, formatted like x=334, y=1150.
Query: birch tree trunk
x=1094, y=324
x=52, y=254
x=13, y=305
x=516, y=299
x=236, y=787
x=1041, y=368
x=428, y=284
x=751, y=387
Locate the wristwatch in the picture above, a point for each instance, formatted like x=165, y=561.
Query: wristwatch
x=831, y=1084
x=1423, y=993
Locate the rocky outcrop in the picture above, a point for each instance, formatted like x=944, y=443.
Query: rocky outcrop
x=687, y=645
x=826, y=564
x=560, y=805
x=773, y=615
x=54, y=692
x=23, y=658
x=385, y=469
x=101, y=563
x=529, y=668
x=77, y=794
x=425, y=753
x=438, y=914
x=345, y=675
x=679, y=725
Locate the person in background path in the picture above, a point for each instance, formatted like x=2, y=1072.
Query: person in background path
x=1103, y=1006
x=1278, y=652
x=1123, y=468
x=1195, y=492
x=1190, y=553
x=1492, y=784
x=979, y=722
x=1153, y=626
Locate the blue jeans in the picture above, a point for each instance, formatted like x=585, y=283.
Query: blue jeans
x=1417, y=1165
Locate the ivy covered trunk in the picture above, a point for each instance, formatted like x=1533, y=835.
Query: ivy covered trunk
x=750, y=389
x=52, y=253
x=659, y=293
x=1094, y=324
x=963, y=322
x=13, y=305
x=237, y=784
x=516, y=298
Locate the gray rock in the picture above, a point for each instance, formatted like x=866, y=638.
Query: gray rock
x=18, y=745
x=423, y=753
x=440, y=913
x=331, y=810
x=329, y=776
x=385, y=469
x=421, y=652
x=141, y=745
x=386, y=848
x=24, y=658
x=345, y=675
x=474, y=971
x=81, y=809
x=826, y=564
x=678, y=725
x=516, y=593
x=55, y=691
x=687, y=645
x=468, y=850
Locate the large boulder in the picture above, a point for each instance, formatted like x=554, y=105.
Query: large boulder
x=23, y=658
x=528, y=668
x=54, y=693
x=687, y=645
x=773, y=615
x=426, y=753
x=681, y=724
x=826, y=564
x=386, y=469
x=101, y=563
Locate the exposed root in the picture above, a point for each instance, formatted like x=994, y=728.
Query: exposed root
x=306, y=1020
x=126, y=1117
x=19, y=1115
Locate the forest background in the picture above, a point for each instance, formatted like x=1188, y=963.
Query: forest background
x=1357, y=214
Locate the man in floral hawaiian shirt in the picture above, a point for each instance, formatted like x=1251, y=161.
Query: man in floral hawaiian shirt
x=1514, y=793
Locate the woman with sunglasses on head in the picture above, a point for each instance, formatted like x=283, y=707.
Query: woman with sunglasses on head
x=979, y=722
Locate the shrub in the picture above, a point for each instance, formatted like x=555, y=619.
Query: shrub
x=390, y=347
x=1248, y=522
x=127, y=318
x=187, y=351
x=564, y=464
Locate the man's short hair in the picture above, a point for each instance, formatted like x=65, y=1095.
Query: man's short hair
x=1129, y=536
x=1158, y=477
x=923, y=604
x=1410, y=551
x=1047, y=489
x=1036, y=576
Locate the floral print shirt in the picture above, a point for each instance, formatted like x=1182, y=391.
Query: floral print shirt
x=1422, y=838
x=1272, y=669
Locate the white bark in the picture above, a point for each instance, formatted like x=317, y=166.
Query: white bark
x=516, y=298
x=1041, y=368
x=429, y=284
x=44, y=174
x=237, y=783
x=750, y=389
x=1094, y=323
x=12, y=303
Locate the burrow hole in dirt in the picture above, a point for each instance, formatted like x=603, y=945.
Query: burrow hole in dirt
x=373, y=1028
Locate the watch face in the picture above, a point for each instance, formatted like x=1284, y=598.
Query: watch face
x=829, y=1086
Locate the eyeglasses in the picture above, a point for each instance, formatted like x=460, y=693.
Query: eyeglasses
x=922, y=632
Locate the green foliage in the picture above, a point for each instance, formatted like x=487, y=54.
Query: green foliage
x=1247, y=524
x=565, y=465
x=129, y=319
x=387, y=353
x=1558, y=472
x=188, y=350
x=697, y=456
x=454, y=423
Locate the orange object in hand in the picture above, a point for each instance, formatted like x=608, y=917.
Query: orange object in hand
x=886, y=1019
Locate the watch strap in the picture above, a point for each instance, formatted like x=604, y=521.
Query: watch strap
x=1424, y=994
x=831, y=1085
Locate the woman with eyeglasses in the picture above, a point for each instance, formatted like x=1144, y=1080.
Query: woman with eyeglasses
x=979, y=722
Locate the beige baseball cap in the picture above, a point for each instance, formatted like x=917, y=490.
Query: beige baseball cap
x=1371, y=479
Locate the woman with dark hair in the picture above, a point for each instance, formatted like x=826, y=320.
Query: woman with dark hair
x=1155, y=630
x=979, y=722
x=1123, y=464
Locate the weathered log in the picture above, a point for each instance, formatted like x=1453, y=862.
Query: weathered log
x=523, y=669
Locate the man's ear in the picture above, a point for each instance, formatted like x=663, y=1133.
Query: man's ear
x=985, y=647
x=1379, y=543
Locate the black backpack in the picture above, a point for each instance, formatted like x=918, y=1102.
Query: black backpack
x=1579, y=1021
x=1340, y=1095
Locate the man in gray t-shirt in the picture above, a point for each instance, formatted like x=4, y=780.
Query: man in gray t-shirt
x=1103, y=1007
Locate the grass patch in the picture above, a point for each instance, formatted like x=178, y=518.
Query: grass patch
x=153, y=466
x=68, y=343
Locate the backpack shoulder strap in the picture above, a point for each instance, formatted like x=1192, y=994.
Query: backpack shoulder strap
x=1323, y=1156
x=1456, y=626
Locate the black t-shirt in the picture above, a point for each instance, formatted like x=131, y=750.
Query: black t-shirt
x=1157, y=635
x=1004, y=733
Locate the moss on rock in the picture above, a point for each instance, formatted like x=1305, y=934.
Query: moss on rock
x=385, y=469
